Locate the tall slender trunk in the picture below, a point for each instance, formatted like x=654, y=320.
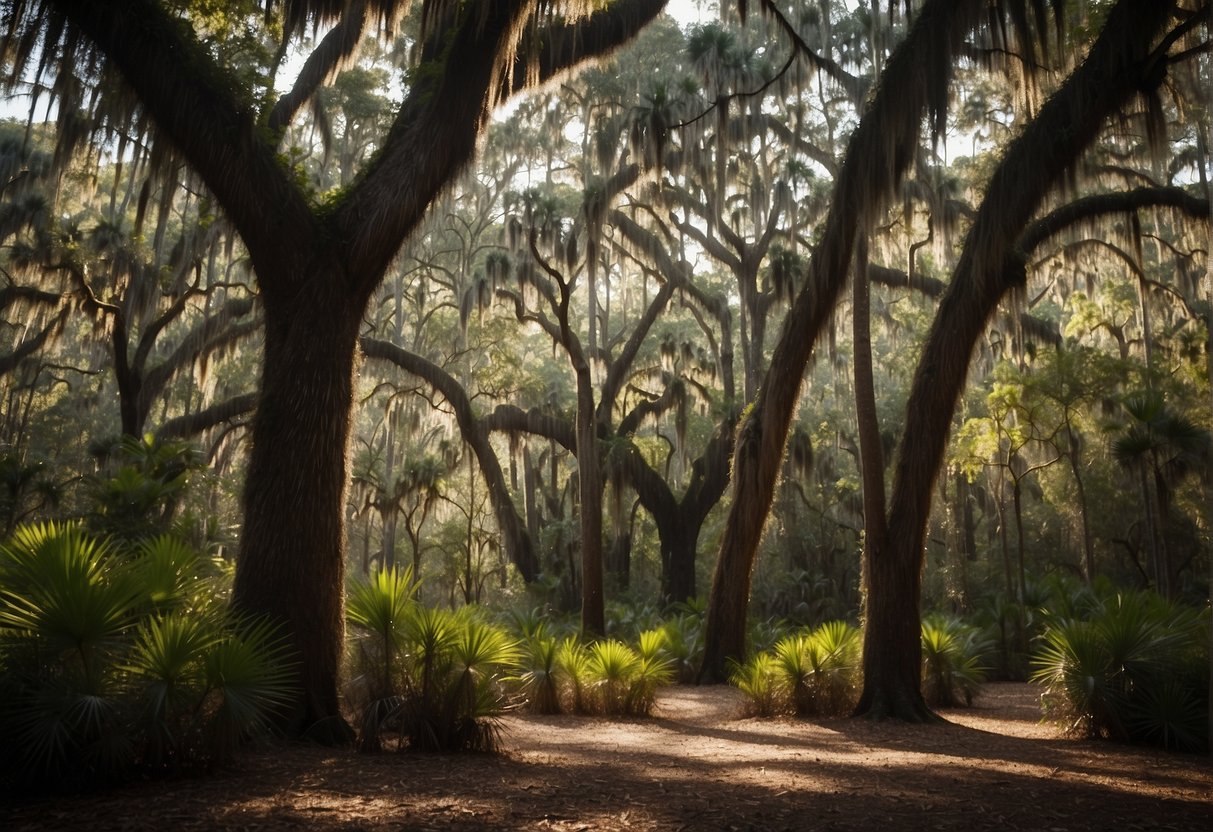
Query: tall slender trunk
x=291, y=564
x=883, y=614
x=1022, y=594
x=589, y=490
x=1088, y=553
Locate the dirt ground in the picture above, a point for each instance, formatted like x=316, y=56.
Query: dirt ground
x=696, y=765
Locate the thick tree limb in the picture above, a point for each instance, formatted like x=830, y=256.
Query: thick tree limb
x=517, y=542
x=192, y=424
x=28, y=347
x=338, y=45
x=186, y=94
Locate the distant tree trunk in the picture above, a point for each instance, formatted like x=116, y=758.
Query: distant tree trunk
x=1118, y=66
x=677, y=559
x=959, y=516
x=1163, y=570
x=963, y=492
x=127, y=378
x=1088, y=554
x=292, y=550
x=619, y=557
x=679, y=522
x=391, y=510
x=589, y=491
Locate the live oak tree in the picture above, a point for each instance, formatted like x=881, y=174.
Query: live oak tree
x=146, y=271
x=912, y=84
x=1127, y=58
x=318, y=260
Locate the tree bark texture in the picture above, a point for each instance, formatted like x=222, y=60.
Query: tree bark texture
x=589, y=490
x=291, y=565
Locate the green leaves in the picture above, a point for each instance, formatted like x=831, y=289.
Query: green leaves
x=1136, y=669
x=433, y=676
x=808, y=673
x=951, y=662
x=114, y=659
x=65, y=589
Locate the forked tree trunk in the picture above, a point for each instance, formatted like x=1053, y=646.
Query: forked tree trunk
x=1117, y=66
x=877, y=155
x=292, y=558
x=678, y=563
x=291, y=566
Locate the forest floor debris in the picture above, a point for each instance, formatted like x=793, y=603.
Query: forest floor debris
x=697, y=764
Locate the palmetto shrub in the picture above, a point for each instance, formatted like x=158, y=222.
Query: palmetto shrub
x=116, y=659
x=606, y=677
x=808, y=673
x=758, y=678
x=952, y=662
x=1134, y=669
x=539, y=680
x=433, y=678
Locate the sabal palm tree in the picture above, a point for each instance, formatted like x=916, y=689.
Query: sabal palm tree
x=1162, y=447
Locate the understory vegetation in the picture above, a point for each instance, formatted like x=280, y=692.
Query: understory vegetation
x=857, y=353
x=119, y=658
x=116, y=659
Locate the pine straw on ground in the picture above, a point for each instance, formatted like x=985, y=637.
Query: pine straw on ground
x=696, y=765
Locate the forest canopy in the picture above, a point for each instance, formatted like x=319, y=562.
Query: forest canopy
x=796, y=310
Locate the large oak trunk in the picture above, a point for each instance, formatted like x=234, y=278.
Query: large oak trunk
x=292, y=556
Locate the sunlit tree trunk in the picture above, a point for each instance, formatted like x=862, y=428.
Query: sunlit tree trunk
x=589, y=489
x=1072, y=455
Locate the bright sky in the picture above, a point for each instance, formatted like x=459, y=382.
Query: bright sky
x=690, y=11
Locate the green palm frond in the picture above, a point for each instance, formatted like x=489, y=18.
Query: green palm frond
x=250, y=680
x=573, y=660
x=757, y=678
x=539, y=681
x=172, y=574
x=952, y=668
x=65, y=589
x=485, y=650
x=1135, y=670
x=168, y=657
